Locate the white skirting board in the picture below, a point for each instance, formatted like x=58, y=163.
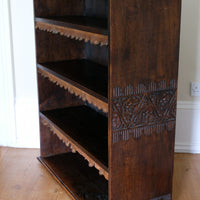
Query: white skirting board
x=188, y=127
x=27, y=124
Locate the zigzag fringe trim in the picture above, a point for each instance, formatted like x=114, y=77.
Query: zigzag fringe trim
x=141, y=88
x=77, y=92
x=69, y=143
x=93, y=38
x=138, y=132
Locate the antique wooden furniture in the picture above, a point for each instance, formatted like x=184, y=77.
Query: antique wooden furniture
x=107, y=79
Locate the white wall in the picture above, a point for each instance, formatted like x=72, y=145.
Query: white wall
x=7, y=101
x=24, y=78
x=25, y=90
x=189, y=69
x=25, y=73
x=188, y=112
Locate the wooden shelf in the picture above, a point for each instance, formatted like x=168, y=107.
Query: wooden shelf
x=77, y=128
x=85, y=79
x=80, y=181
x=78, y=27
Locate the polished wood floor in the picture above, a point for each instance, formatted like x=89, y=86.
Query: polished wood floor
x=22, y=177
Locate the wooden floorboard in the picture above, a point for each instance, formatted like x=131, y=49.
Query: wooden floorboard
x=186, y=180
x=22, y=177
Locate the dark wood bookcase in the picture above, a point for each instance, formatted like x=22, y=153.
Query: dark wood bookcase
x=107, y=83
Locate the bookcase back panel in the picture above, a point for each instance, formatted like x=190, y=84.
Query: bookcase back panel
x=97, y=53
x=46, y=8
x=144, y=49
x=96, y=8
x=54, y=47
x=51, y=96
x=50, y=143
x=58, y=8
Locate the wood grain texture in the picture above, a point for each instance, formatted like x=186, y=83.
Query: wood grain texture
x=52, y=47
x=22, y=177
x=94, y=8
x=46, y=8
x=72, y=33
x=142, y=55
x=96, y=53
x=50, y=143
x=144, y=49
x=186, y=179
x=51, y=96
x=82, y=20
x=79, y=181
x=71, y=126
x=83, y=23
x=82, y=73
x=82, y=92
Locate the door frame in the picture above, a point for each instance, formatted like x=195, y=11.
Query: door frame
x=7, y=83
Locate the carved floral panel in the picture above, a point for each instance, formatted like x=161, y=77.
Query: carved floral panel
x=143, y=110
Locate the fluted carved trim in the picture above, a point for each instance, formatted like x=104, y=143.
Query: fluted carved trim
x=76, y=91
x=93, y=38
x=75, y=147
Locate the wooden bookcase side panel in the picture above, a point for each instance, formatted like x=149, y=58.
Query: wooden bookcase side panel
x=144, y=52
x=53, y=47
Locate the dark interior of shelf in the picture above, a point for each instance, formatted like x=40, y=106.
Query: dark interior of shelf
x=72, y=171
x=86, y=73
x=85, y=126
x=91, y=24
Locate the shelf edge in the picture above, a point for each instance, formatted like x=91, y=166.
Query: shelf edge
x=68, y=141
x=101, y=105
x=93, y=38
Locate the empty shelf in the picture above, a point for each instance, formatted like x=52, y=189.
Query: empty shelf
x=80, y=181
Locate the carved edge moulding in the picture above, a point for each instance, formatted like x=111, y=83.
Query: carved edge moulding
x=76, y=91
x=69, y=142
x=93, y=38
x=143, y=110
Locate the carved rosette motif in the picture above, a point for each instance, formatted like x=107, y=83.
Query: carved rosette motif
x=93, y=38
x=164, y=197
x=143, y=110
